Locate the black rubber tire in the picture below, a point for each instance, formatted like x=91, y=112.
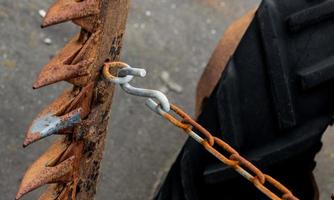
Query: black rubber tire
x=273, y=103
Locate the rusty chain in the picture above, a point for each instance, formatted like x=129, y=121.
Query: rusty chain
x=186, y=123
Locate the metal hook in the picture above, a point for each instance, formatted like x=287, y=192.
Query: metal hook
x=162, y=99
x=132, y=71
x=127, y=71
x=116, y=80
x=151, y=104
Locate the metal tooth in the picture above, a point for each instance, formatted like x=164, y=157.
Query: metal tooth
x=61, y=66
x=65, y=194
x=55, y=150
x=86, y=23
x=39, y=175
x=61, y=191
x=89, y=43
x=60, y=72
x=74, y=53
x=50, y=124
x=58, y=192
x=65, y=10
x=83, y=100
x=84, y=54
x=52, y=192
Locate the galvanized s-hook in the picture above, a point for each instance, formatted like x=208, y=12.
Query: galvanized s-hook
x=117, y=65
x=126, y=74
x=159, y=96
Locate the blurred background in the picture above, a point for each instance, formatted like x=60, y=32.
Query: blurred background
x=172, y=39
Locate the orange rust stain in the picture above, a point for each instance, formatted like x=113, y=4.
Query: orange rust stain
x=65, y=10
x=83, y=100
x=39, y=173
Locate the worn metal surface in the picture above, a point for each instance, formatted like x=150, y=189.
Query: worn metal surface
x=173, y=36
x=61, y=173
x=61, y=67
x=79, y=63
x=41, y=172
x=49, y=124
x=64, y=10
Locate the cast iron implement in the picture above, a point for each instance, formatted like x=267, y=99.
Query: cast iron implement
x=79, y=116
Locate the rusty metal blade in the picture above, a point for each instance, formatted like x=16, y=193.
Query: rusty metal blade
x=83, y=100
x=52, y=192
x=50, y=124
x=86, y=23
x=71, y=49
x=87, y=52
x=37, y=176
x=65, y=10
x=38, y=169
x=54, y=73
x=61, y=191
x=66, y=194
x=61, y=67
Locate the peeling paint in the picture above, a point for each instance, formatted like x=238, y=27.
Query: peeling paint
x=49, y=124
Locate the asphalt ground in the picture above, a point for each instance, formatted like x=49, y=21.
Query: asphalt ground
x=166, y=37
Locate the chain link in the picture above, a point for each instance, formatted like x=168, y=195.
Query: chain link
x=234, y=160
